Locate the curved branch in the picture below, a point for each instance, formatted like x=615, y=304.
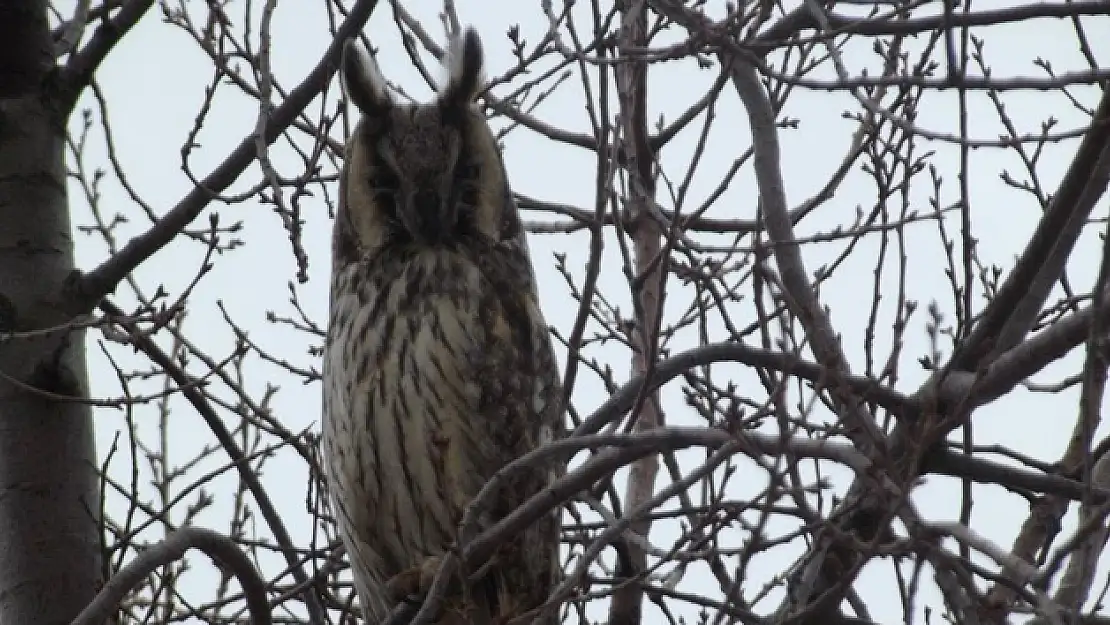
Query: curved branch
x=621, y=401
x=220, y=548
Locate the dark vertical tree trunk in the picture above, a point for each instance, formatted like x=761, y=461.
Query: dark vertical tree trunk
x=50, y=554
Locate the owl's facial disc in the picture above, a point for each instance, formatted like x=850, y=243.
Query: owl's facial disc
x=426, y=201
x=425, y=174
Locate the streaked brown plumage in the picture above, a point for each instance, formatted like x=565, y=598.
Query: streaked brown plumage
x=438, y=369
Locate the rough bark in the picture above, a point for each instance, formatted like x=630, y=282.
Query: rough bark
x=50, y=549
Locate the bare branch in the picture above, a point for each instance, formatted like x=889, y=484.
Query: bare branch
x=79, y=69
x=221, y=549
x=85, y=291
x=1012, y=312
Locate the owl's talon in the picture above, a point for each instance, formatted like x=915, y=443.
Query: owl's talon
x=414, y=581
x=404, y=584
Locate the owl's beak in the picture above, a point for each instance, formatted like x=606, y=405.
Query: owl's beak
x=435, y=218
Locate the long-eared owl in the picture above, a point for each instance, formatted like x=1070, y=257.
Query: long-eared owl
x=438, y=369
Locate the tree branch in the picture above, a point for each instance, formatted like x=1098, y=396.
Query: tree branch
x=223, y=551
x=142, y=342
x=647, y=279
x=623, y=400
x=85, y=291
x=83, y=64
x=796, y=281
x=1012, y=311
x=892, y=23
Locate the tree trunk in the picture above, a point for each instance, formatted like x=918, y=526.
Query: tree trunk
x=50, y=548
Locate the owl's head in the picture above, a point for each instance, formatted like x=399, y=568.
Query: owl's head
x=420, y=174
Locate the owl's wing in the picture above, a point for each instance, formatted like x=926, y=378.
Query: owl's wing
x=521, y=403
x=517, y=275
x=516, y=368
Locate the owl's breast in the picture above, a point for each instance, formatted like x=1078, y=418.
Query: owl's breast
x=401, y=407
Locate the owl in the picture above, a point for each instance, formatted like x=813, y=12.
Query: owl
x=438, y=369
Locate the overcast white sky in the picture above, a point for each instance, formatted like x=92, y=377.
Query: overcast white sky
x=155, y=81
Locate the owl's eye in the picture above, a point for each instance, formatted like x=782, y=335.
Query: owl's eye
x=467, y=171
x=383, y=180
x=384, y=184
x=468, y=194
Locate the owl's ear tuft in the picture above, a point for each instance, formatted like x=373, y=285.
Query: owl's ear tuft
x=464, y=67
x=362, y=80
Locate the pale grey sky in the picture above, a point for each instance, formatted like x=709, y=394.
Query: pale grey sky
x=155, y=80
